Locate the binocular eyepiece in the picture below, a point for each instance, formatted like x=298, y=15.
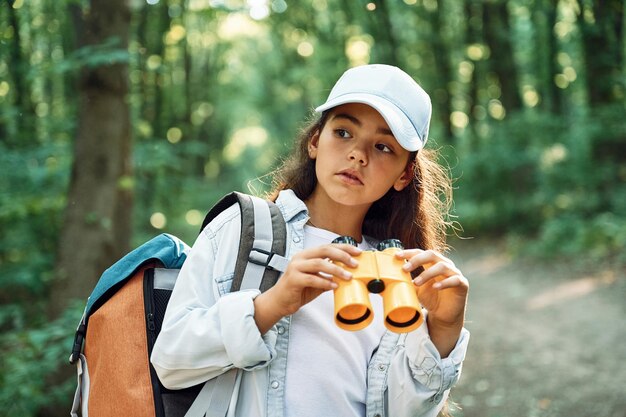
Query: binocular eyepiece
x=378, y=272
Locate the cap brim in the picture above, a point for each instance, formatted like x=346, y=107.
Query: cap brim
x=398, y=122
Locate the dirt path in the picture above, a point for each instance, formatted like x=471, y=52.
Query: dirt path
x=547, y=340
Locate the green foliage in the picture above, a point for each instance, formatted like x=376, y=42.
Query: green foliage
x=541, y=176
x=31, y=205
x=30, y=359
x=500, y=174
x=594, y=239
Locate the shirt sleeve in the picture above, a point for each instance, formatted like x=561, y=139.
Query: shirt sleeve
x=419, y=379
x=205, y=334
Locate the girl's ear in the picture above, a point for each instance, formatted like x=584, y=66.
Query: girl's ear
x=404, y=179
x=312, y=147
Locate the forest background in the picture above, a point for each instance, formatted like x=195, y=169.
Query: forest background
x=121, y=119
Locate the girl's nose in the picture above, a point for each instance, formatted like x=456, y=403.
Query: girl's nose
x=358, y=155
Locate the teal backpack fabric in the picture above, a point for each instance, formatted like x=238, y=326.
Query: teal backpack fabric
x=168, y=250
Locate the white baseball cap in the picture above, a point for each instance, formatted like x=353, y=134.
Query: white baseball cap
x=404, y=105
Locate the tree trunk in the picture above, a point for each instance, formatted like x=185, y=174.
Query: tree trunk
x=155, y=22
x=497, y=34
x=383, y=28
x=546, y=49
x=443, y=71
x=602, y=39
x=97, y=227
x=21, y=130
x=97, y=224
x=603, y=50
x=474, y=15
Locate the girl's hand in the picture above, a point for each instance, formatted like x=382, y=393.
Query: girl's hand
x=442, y=290
x=308, y=274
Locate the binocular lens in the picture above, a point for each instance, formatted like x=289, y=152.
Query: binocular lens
x=402, y=310
x=353, y=310
x=403, y=317
x=353, y=314
x=389, y=243
x=345, y=239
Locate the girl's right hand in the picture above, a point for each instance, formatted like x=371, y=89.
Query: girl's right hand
x=308, y=274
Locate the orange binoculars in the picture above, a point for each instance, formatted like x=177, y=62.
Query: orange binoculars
x=378, y=272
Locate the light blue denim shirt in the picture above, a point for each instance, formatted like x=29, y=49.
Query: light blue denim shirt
x=208, y=331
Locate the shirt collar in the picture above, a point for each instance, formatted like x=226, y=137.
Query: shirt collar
x=291, y=206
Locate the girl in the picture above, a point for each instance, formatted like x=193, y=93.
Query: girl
x=360, y=171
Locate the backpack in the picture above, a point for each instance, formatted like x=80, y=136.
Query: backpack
x=124, y=313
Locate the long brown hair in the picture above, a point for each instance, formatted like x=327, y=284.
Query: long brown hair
x=427, y=198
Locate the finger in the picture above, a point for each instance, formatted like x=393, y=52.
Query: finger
x=333, y=247
x=417, y=257
x=353, y=250
x=452, y=282
x=440, y=269
x=425, y=254
x=327, y=254
x=316, y=281
x=339, y=253
x=326, y=269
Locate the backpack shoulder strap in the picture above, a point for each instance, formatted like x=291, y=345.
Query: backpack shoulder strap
x=260, y=259
x=262, y=243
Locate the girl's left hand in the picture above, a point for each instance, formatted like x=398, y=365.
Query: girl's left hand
x=441, y=287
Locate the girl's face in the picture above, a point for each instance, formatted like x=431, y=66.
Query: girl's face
x=357, y=157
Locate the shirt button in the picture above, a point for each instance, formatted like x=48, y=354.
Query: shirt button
x=296, y=238
x=381, y=367
x=281, y=330
x=275, y=384
x=377, y=415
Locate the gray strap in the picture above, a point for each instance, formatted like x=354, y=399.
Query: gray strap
x=270, y=261
x=76, y=402
x=214, y=397
x=278, y=263
x=253, y=215
x=222, y=393
x=263, y=236
x=164, y=279
x=81, y=395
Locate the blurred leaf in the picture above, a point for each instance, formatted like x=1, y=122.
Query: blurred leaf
x=92, y=56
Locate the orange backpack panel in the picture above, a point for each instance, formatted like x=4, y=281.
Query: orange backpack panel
x=120, y=350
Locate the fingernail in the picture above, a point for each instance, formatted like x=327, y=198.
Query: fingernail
x=417, y=281
x=346, y=274
x=353, y=262
x=406, y=266
x=437, y=285
x=334, y=285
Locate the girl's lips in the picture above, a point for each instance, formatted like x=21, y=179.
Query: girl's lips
x=350, y=177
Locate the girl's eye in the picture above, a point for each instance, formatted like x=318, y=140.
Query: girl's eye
x=343, y=133
x=384, y=148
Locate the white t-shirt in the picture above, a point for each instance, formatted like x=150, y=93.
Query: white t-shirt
x=326, y=365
